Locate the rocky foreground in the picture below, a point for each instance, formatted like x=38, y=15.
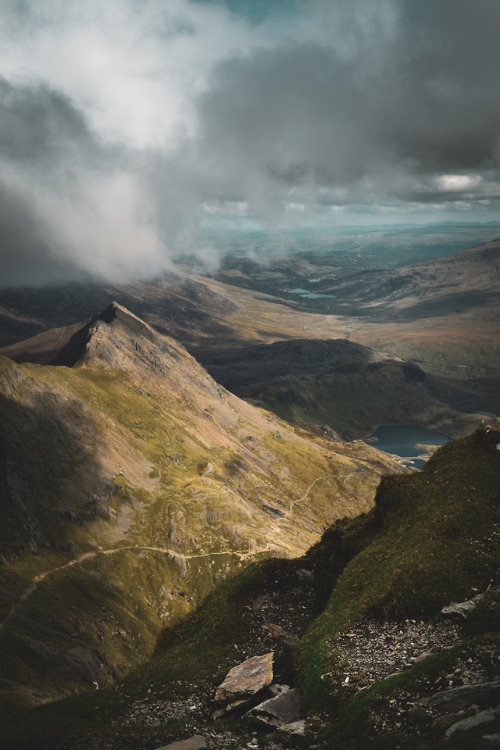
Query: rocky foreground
x=384, y=635
x=253, y=707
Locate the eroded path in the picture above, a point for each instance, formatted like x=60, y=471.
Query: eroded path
x=37, y=580
x=175, y=554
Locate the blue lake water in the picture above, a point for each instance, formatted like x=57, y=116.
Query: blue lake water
x=402, y=439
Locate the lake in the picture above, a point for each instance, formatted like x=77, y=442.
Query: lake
x=402, y=440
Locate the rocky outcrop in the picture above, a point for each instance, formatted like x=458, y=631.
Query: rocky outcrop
x=246, y=679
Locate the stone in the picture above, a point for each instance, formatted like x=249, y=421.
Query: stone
x=464, y=696
x=296, y=727
x=472, y=722
x=196, y=742
x=305, y=576
x=238, y=705
x=443, y=722
x=279, y=634
x=490, y=742
x=278, y=711
x=247, y=678
x=461, y=610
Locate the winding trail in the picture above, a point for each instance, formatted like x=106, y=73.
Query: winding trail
x=37, y=580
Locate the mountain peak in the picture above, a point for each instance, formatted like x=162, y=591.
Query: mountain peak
x=111, y=312
x=113, y=337
x=115, y=313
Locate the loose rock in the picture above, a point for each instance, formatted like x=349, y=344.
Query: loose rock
x=246, y=679
x=278, y=711
x=461, y=610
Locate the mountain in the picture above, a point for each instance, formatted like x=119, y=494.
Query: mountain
x=344, y=385
x=361, y=625
x=465, y=280
x=130, y=483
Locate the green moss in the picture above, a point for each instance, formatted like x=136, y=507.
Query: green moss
x=429, y=542
x=353, y=726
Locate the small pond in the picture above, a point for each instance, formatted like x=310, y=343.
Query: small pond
x=402, y=440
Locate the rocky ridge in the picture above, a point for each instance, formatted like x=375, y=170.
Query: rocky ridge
x=127, y=471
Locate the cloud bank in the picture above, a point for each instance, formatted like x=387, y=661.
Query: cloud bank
x=125, y=127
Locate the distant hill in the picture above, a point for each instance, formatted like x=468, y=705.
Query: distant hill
x=349, y=387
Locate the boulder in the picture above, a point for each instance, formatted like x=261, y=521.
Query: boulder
x=279, y=711
x=457, y=698
x=246, y=679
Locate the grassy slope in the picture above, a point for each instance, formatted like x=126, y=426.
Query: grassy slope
x=429, y=541
x=167, y=483
x=432, y=539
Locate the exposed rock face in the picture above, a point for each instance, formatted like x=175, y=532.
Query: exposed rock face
x=246, y=679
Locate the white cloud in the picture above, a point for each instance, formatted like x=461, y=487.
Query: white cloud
x=126, y=125
x=457, y=182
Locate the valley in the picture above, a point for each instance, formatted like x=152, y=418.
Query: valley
x=187, y=480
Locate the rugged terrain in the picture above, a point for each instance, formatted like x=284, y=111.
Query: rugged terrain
x=441, y=315
x=153, y=523
x=361, y=625
x=347, y=386
x=130, y=483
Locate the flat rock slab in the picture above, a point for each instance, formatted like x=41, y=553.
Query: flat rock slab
x=483, y=718
x=197, y=742
x=283, y=709
x=247, y=678
x=461, y=610
x=464, y=696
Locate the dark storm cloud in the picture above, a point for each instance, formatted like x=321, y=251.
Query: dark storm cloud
x=124, y=126
x=424, y=102
x=42, y=139
x=27, y=254
x=39, y=125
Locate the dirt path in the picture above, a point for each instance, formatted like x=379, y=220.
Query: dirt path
x=37, y=580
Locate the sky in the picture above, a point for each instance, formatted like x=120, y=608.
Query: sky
x=129, y=127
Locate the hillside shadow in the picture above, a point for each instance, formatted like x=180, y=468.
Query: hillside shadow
x=50, y=479
x=241, y=368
